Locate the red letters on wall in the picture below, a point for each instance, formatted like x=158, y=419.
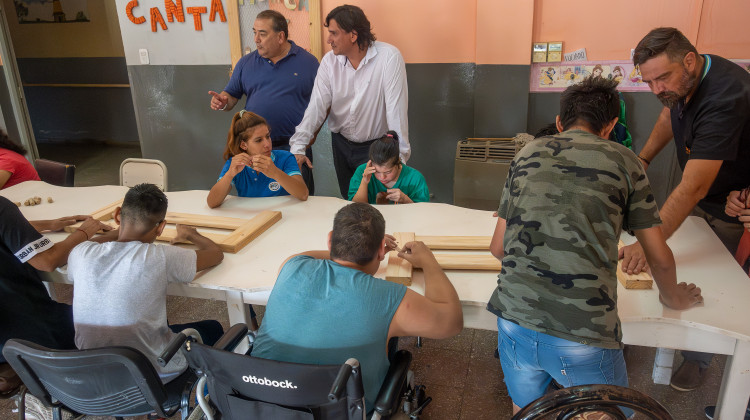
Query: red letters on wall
x=129, y=11
x=216, y=7
x=175, y=11
x=196, y=12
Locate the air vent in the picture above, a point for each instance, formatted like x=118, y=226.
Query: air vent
x=480, y=170
x=483, y=150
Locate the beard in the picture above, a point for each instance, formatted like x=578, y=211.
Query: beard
x=670, y=98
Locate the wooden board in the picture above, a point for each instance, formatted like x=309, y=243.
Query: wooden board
x=240, y=231
x=480, y=243
x=399, y=270
x=251, y=230
x=105, y=213
x=468, y=262
x=643, y=280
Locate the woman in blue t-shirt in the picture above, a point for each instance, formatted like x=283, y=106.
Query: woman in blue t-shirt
x=394, y=182
x=252, y=167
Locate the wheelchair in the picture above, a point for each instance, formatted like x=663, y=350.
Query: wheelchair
x=246, y=387
x=570, y=402
x=113, y=381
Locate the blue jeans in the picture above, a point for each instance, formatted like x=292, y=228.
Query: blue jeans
x=531, y=359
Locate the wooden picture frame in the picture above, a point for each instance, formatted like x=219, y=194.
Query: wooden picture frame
x=400, y=271
x=241, y=231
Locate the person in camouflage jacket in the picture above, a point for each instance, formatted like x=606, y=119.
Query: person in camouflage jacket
x=566, y=200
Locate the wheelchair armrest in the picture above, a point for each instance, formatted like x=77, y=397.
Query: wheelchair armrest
x=390, y=392
x=234, y=335
x=169, y=352
x=339, y=384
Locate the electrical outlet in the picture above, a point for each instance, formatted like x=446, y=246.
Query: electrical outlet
x=143, y=53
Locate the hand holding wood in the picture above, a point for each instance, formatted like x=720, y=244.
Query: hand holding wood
x=633, y=259
x=184, y=232
x=418, y=254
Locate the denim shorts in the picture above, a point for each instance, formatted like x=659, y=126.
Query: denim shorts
x=531, y=359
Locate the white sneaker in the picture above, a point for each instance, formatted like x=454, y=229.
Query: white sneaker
x=36, y=410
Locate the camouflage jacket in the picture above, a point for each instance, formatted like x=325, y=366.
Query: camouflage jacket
x=566, y=200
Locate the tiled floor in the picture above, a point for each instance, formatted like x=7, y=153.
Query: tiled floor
x=461, y=374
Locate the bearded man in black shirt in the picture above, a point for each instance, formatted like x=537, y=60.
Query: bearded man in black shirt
x=706, y=102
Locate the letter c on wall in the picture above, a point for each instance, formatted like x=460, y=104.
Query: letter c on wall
x=129, y=11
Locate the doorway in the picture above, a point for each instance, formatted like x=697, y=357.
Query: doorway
x=71, y=65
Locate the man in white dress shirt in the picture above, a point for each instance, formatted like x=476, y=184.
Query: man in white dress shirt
x=361, y=86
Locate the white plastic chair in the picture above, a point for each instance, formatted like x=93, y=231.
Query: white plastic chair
x=135, y=171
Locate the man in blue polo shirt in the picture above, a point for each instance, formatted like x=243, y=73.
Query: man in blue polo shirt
x=278, y=79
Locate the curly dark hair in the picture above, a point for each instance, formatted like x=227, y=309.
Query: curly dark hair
x=7, y=143
x=352, y=19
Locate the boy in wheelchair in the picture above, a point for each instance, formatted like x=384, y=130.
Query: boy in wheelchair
x=121, y=286
x=327, y=306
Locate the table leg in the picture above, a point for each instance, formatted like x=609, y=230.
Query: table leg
x=735, y=385
x=237, y=309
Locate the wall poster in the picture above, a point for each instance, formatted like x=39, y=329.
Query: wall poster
x=51, y=11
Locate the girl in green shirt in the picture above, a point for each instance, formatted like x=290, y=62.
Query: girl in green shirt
x=394, y=182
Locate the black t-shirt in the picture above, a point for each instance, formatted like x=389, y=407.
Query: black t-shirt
x=26, y=310
x=715, y=125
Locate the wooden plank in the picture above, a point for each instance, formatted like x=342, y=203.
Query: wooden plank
x=642, y=280
x=480, y=243
x=218, y=222
x=169, y=233
x=106, y=212
x=468, y=262
x=251, y=230
x=399, y=270
x=316, y=40
x=233, y=24
x=72, y=228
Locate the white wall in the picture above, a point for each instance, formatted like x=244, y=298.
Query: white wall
x=180, y=44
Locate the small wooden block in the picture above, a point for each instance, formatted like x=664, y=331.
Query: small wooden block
x=479, y=243
x=468, y=262
x=642, y=280
x=399, y=270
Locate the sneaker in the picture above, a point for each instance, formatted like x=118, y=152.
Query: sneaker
x=36, y=410
x=688, y=376
x=712, y=408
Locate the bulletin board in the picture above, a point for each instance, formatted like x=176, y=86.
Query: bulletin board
x=303, y=16
x=556, y=76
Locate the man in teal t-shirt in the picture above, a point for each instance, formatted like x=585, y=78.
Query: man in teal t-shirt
x=326, y=306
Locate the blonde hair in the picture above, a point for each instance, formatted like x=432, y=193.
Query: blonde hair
x=242, y=122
